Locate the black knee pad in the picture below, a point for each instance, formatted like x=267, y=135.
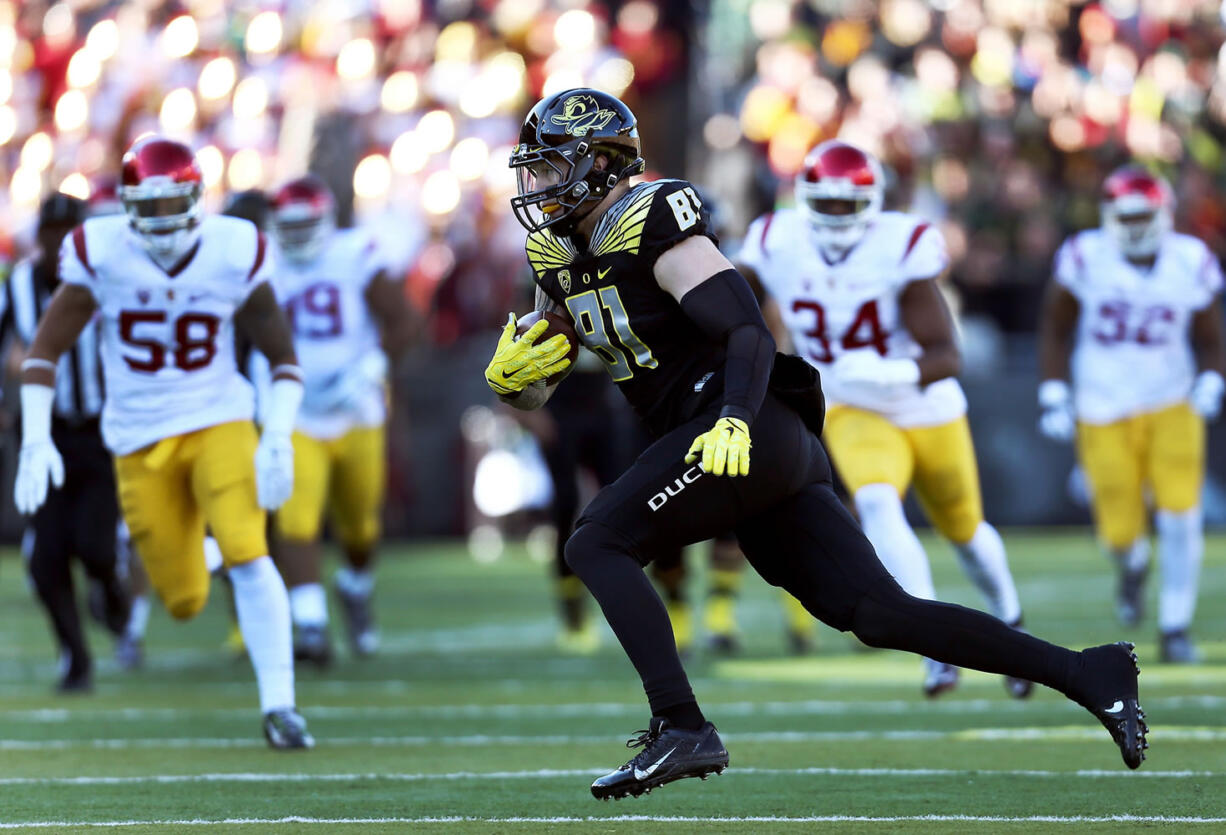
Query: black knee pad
x=586, y=543
x=880, y=616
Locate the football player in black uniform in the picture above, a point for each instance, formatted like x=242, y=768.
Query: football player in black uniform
x=681, y=333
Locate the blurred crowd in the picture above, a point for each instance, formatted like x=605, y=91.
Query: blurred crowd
x=998, y=116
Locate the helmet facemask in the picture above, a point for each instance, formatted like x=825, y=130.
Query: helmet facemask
x=1136, y=225
x=164, y=216
x=302, y=230
x=839, y=213
x=557, y=182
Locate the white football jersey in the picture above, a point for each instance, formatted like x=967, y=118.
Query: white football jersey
x=851, y=305
x=325, y=302
x=167, y=339
x=1132, y=353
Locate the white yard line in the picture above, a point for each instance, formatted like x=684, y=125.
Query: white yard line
x=550, y=773
x=809, y=707
x=633, y=819
x=1182, y=734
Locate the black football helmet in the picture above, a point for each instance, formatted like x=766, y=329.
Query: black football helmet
x=556, y=155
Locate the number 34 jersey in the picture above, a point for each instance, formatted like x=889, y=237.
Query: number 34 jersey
x=1132, y=352
x=853, y=305
x=325, y=302
x=664, y=365
x=167, y=336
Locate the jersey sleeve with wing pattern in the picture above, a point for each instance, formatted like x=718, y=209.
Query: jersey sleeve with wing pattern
x=676, y=213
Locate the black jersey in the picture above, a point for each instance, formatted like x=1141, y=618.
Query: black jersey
x=664, y=365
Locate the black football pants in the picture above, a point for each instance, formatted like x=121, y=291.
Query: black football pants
x=796, y=534
x=78, y=519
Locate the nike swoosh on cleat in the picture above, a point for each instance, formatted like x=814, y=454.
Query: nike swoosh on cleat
x=643, y=774
x=1115, y=708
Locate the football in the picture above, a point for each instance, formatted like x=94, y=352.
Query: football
x=557, y=324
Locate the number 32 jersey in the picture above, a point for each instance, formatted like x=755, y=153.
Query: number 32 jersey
x=852, y=305
x=665, y=366
x=167, y=337
x=1132, y=352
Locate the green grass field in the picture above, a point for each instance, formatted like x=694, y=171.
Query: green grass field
x=469, y=721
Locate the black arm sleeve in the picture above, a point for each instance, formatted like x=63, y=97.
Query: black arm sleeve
x=724, y=308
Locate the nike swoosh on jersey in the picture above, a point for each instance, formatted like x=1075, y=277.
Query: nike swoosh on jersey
x=602, y=273
x=643, y=774
x=1115, y=708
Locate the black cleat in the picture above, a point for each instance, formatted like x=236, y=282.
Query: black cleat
x=1018, y=688
x=286, y=730
x=668, y=754
x=312, y=646
x=723, y=644
x=1113, y=671
x=939, y=677
x=1177, y=647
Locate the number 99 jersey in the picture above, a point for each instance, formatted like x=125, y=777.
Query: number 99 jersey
x=853, y=305
x=664, y=365
x=1132, y=352
x=167, y=335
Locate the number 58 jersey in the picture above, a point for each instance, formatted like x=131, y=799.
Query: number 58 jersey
x=1133, y=353
x=167, y=335
x=853, y=305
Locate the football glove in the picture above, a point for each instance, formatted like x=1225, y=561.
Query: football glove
x=724, y=448
x=868, y=368
x=518, y=363
x=1056, y=418
x=1206, y=394
x=274, y=457
x=39, y=461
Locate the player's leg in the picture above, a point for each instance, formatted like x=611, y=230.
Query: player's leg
x=726, y=571
x=658, y=503
x=94, y=522
x=165, y=525
x=876, y=462
x=223, y=483
x=358, y=478
x=947, y=485
x=561, y=459
x=1176, y=472
x=51, y=571
x=299, y=553
x=669, y=572
x=811, y=546
x=1112, y=457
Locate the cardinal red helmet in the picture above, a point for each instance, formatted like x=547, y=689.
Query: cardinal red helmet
x=161, y=187
x=1137, y=210
x=303, y=217
x=840, y=189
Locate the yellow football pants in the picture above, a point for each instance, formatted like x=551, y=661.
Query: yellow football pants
x=938, y=460
x=170, y=490
x=1163, y=450
x=345, y=475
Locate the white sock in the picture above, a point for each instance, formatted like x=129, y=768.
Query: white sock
x=263, y=616
x=898, y=548
x=308, y=605
x=1134, y=557
x=356, y=582
x=138, y=617
x=212, y=554
x=1181, y=546
x=984, y=562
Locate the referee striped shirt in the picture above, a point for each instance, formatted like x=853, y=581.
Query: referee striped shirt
x=78, y=377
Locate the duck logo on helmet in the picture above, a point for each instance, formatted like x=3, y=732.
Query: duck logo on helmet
x=581, y=115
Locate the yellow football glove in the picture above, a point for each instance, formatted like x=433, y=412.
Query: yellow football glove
x=724, y=448
x=518, y=363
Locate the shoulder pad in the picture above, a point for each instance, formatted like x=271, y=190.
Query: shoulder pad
x=650, y=218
